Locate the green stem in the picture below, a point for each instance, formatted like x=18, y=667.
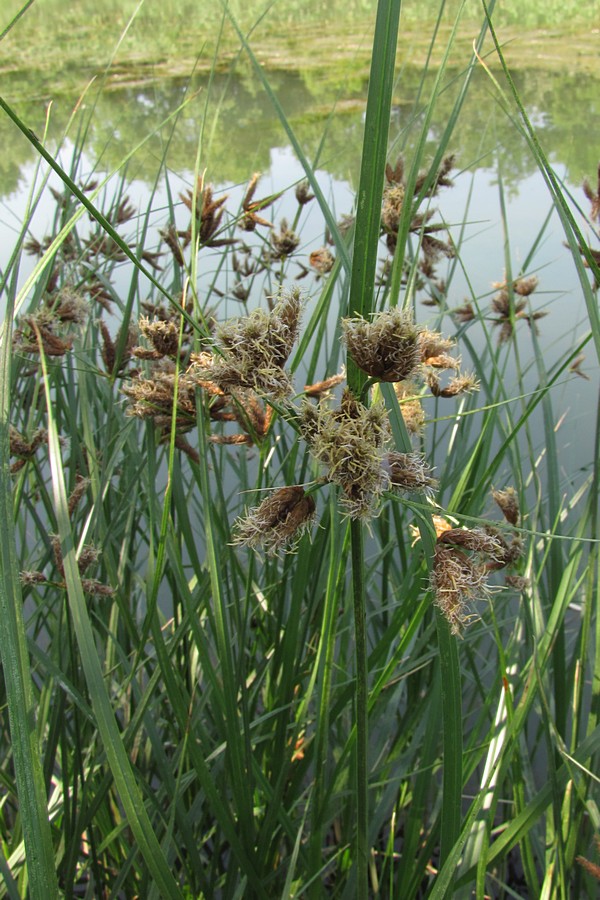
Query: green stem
x=361, y=713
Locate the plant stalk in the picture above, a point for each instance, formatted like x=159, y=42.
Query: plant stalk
x=361, y=709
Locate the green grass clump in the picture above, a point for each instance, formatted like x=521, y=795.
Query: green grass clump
x=294, y=602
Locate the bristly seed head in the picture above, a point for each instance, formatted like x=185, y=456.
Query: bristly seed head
x=409, y=472
x=279, y=521
x=387, y=348
x=478, y=540
x=163, y=335
x=252, y=350
x=456, y=580
x=463, y=558
x=461, y=384
x=349, y=442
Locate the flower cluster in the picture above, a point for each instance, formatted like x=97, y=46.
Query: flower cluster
x=465, y=556
x=432, y=247
x=392, y=348
x=23, y=449
x=251, y=351
x=350, y=442
x=509, y=305
x=387, y=348
x=87, y=556
x=52, y=329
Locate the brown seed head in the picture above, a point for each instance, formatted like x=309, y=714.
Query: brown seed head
x=386, y=348
x=163, y=335
x=284, y=242
x=461, y=384
x=278, y=522
x=456, y=580
x=477, y=540
x=526, y=286
x=465, y=313
x=322, y=260
x=409, y=472
x=303, y=194
x=508, y=502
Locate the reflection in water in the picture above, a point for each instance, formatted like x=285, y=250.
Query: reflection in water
x=239, y=127
x=241, y=135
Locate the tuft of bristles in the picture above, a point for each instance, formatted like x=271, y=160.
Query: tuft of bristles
x=278, y=523
x=349, y=442
x=251, y=351
x=386, y=348
x=456, y=580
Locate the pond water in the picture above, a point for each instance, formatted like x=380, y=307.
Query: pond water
x=242, y=135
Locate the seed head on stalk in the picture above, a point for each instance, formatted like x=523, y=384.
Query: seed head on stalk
x=251, y=351
x=278, y=523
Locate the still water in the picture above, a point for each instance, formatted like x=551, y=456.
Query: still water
x=498, y=210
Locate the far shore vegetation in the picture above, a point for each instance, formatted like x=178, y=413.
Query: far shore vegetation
x=55, y=47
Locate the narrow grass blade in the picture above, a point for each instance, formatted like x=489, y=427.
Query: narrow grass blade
x=16, y=668
x=118, y=761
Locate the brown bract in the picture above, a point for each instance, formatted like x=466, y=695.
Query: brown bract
x=508, y=502
x=251, y=208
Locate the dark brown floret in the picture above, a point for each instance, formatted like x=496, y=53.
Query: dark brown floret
x=278, y=522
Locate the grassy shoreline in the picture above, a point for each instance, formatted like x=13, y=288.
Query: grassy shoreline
x=56, y=62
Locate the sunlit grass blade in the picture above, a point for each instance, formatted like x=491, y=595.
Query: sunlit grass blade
x=16, y=18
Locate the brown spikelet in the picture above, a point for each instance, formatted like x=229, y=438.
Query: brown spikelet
x=303, y=194
x=250, y=218
x=592, y=868
x=508, y=502
x=593, y=197
x=81, y=486
x=465, y=313
x=319, y=388
x=278, y=522
x=322, y=260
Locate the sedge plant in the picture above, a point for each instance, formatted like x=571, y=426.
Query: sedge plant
x=252, y=563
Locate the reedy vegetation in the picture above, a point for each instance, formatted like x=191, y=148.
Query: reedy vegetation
x=209, y=699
